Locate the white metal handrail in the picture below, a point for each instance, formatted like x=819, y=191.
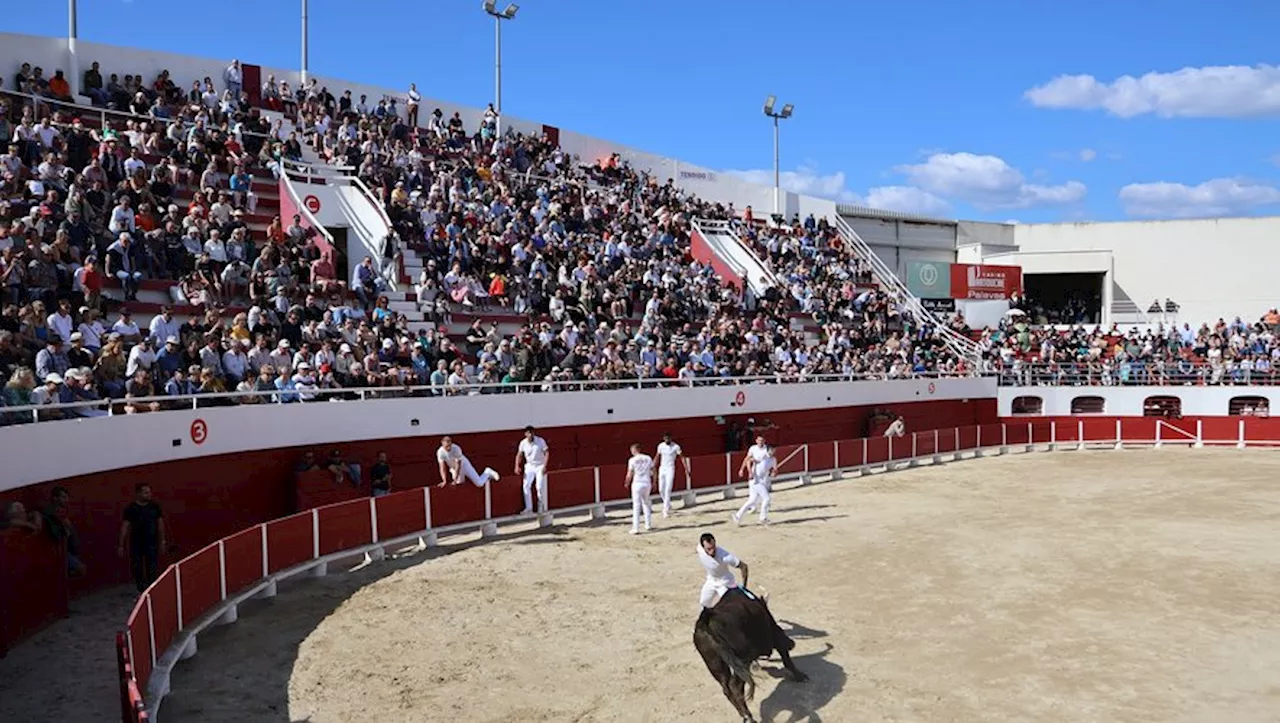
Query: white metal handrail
x=285, y=396
x=81, y=110
x=724, y=228
x=958, y=343
x=302, y=210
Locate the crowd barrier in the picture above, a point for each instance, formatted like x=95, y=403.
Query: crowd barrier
x=205, y=588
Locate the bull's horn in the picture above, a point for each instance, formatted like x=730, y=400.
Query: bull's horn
x=762, y=593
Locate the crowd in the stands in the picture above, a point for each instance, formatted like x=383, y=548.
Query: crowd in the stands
x=592, y=258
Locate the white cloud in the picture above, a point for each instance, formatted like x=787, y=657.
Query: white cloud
x=1227, y=91
x=806, y=181
x=1218, y=197
x=987, y=182
x=907, y=199
x=1088, y=154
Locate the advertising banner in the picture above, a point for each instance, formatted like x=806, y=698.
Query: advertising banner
x=929, y=279
x=939, y=306
x=970, y=281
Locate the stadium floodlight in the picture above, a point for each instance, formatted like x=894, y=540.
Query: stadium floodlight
x=769, y=104
x=508, y=13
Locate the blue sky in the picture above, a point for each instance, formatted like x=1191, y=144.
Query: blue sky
x=942, y=107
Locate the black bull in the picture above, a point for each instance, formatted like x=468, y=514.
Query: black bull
x=732, y=636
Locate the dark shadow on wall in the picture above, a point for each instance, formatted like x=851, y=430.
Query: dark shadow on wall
x=791, y=702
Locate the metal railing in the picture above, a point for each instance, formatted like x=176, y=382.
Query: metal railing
x=958, y=343
x=112, y=407
x=88, y=110
x=1135, y=374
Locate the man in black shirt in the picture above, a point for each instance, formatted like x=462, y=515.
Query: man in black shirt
x=142, y=535
x=381, y=476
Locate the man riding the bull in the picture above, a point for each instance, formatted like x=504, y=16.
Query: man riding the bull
x=719, y=564
x=735, y=627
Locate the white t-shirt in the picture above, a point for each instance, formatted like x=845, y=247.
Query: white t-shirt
x=534, y=451
x=668, y=453
x=641, y=467
x=450, y=456
x=763, y=461
x=720, y=566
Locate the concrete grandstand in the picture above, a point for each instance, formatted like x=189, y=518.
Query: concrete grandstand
x=206, y=235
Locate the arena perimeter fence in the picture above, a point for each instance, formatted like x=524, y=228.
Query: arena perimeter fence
x=205, y=588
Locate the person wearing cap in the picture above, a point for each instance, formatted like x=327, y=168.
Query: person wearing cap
x=48, y=393
x=77, y=355
x=304, y=382
x=141, y=357
x=168, y=359
x=52, y=359
x=76, y=388
x=126, y=327
x=282, y=357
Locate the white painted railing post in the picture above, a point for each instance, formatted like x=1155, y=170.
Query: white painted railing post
x=805, y=477
x=1031, y=440
x=222, y=569
x=957, y=449
x=1199, y=432
x=489, y=528
x=864, y=453
x=915, y=444
x=177, y=584
x=430, y=539
x=728, y=476
x=888, y=463
x=323, y=568
x=1004, y=438
x=1079, y=434
x=1053, y=434
x=597, y=510
x=1119, y=441
x=1159, y=433
x=1240, y=442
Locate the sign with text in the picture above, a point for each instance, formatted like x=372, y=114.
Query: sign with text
x=929, y=279
x=971, y=281
x=939, y=306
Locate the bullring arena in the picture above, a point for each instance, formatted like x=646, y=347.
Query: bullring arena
x=1135, y=585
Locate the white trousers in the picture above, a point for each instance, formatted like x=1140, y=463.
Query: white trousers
x=468, y=472
x=666, y=483
x=712, y=591
x=640, y=505
x=535, y=474
x=757, y=494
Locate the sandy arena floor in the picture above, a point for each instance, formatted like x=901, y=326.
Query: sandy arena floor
x=1077, y=586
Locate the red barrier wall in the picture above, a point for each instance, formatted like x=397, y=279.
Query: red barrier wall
x=38, y=596
x=237, y=562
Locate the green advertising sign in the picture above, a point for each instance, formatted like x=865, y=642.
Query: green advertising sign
x=929, y=279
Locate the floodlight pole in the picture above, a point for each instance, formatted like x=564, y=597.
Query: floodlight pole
x=777, y=174
x=73, y=60
x=305, y=33
x=497, y=73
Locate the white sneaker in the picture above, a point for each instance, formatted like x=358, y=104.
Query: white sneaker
x=647, y=527
x=736, y=520
x=666, y=514
x=634, y=531
x=526, y=512
x=764, y=521
x=491, y=472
